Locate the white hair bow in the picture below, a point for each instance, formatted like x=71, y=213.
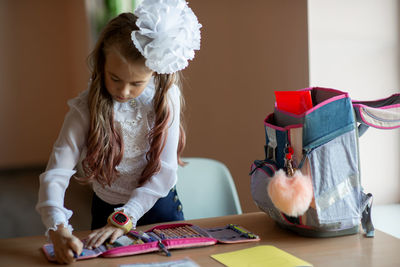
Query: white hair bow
x=168, y=34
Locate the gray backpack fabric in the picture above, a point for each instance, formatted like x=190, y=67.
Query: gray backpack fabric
x=325, y=142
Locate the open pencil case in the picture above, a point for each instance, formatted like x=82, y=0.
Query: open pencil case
x=163, y=238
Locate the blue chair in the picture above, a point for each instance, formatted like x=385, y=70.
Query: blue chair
x=206, y=189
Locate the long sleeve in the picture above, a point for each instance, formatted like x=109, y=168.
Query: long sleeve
x=63, y=159
x=143, y=198
x=133, y=120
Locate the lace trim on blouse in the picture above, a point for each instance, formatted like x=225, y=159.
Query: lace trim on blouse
x=134, y=120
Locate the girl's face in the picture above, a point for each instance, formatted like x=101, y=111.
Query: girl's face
x=125, y=80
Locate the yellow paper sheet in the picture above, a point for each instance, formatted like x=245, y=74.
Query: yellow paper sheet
x=259, y=256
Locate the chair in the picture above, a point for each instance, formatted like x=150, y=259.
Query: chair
x=206, y=189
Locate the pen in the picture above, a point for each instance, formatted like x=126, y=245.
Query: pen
x=146, y=236
x=241, y=231
x=161, y=245
x=139, y=236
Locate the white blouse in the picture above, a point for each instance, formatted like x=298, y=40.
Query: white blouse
x=134, y=119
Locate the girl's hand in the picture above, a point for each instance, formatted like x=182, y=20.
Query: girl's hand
x=97, y=237
x=65, y=245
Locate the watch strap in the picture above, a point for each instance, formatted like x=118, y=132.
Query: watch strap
x=121, y=220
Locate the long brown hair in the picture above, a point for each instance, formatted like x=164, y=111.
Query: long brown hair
x=104, y=143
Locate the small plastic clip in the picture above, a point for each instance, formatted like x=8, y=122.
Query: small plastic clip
x=163, y=248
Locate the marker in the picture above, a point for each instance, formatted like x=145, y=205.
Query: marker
x=241, y=231
x=139, y=237
x=145, y=236
x=136, y=239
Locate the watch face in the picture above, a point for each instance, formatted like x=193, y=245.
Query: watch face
x=120, y=218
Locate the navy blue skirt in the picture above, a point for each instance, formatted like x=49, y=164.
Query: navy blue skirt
x=166, y=209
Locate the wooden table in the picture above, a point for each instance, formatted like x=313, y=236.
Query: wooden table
x=347, y=251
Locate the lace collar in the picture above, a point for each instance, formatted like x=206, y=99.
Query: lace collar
x=144, y=98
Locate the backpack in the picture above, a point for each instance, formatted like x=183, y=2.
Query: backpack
x=322, y=143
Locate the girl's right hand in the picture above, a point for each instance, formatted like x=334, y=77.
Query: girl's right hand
x=65, y=245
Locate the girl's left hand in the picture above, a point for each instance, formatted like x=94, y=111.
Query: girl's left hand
x=97, y=237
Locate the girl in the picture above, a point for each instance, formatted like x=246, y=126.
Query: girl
x=126, y=126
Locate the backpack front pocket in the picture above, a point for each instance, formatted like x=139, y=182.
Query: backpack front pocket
x=336, y=184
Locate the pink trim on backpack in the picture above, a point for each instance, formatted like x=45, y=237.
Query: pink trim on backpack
x=323, y=89
x=323, y=103
x=270, y=166
x=296, y=225
x=385, y=107
x=364, y=109
x=281, y=129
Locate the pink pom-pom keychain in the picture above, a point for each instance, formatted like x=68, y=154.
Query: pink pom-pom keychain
x=291, y=192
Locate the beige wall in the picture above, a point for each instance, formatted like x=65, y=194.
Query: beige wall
x=43, y=49
x=249, y=49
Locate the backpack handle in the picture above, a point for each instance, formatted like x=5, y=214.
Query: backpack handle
x=382, y=113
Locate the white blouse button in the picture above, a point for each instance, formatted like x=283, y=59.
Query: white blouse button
x=132, y=103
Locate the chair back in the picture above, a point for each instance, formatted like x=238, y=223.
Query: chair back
x=206, y=189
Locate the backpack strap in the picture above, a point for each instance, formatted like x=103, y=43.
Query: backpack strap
x=382, y=114
x=366, y=220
